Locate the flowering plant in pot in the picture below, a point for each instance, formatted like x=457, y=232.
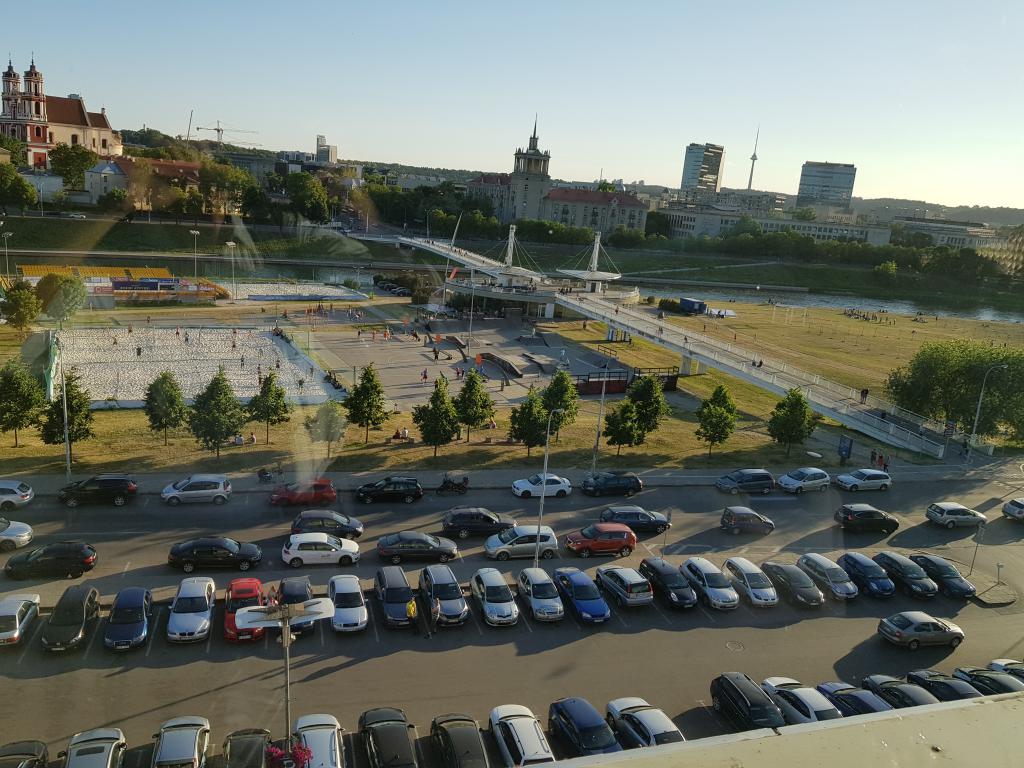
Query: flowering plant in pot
x=297, y=757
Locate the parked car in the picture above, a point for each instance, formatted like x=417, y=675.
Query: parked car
x=519, y=737
x=950, y=514
x=612, y=484
x=414, y=545
x=214, y=552
x=750, y=581
x=799, y=703
x=912, y=629
x=350, y=613
x=474, y=521
x=98, y=748
x=667, y=581
x=24, y=754
x=246, y=748
x=580, y=593
x=711, y=585
x=626, y=585
x=242, y=593
x=63, y=558
x=1014, y=509
x=851, y=700
x=327, y=521
x=581, y=728
x=291, y=591
x=743, y=702
x=496, y=601
x=437, y=582
x=73, y=618
x=637, y=724
x=538, y=591
x=747, y=481
x=945, y=575
x=457, y=741
x=301, y=549
x=864, y=480
x=321, y=735
x=736, y=520
x=638, y=519
x=866, y=574
x=793, y=584
x=18, y=613
x=404, y=489
x=804, y=479
x=392, y=589
x=602, y=539
x=182, y=741
x=128, y=624
x=830, y=578
x=898, y=693
x=14, y=494
x=192, y=610
x=906, y=574
x=858, y=518
x=320, y=492
x=14, y=534
x=535, y=485
x=389, y=737
x=102, y=489
x=521, y=541
x=197, y=489
x=1009, y=666
x=989, y=681
x=943, y=687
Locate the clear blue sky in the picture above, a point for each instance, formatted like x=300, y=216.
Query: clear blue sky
x=924, y=97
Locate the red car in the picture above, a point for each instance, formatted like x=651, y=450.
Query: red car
x=320, y=492
x=242, y=593
x=602, y=539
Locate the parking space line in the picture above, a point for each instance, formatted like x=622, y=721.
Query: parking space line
x=95, y=633
x=352, y=748
x=663, y=614
x=705, y=611
x=372, y=622
x=323, y=640
x=476, y=623
x=28, y=641
x=618, y=615
x=209, y=640
x=124, y=570
x=526, y=620
x=152, y=630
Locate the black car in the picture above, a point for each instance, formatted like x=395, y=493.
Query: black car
x=63, y=558
x=293, y=590
x=945, y=574
x=404, y=489
x=737, y=520
x=474, y=521
x=457, y=742
x=101, y=489
x=852, y=701
x=744, y=703
x=390, y=738
x=897, y=692
x=612, y=484
x=864, y=517
x=246, y=748
x=128, y=624
x=638, y=519
x=793, y=584
x=413, y=545
x=327, y=521
x=392, y=588
x=214, y=552
x=24, y=754
x=988, y=681
x=667, y=581
x=74, y=616
x=906, y=574
x=943, y=687
x=866, y=574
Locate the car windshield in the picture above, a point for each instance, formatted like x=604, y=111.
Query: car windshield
x=764, y=715
x=545, y=590
x=348, y=599
x=67, y=616
x=242, y=602
x=508, y=535
x=590, y=532
x=230, y=545
x=534, y=480
x=598, y=737
x=836, y=575
x=900, y=621
x=449, y=591
x=914, y=571
x=758, y=581
x=798, y=578
x=8, y=623
x=668, y=737
x=859, y=475
x=945, y=570
x=798, y=474
x=132, y=615
x=432, y=541
x=191, y=605
x=585, y=592
x=181, y=483
x=398, y=595
x=716, y=579
x=827, y=714
x=498, y=594
x=873, y=571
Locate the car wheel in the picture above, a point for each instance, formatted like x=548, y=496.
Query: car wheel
x=366, y=500
x=823, y=488
x=955, y=642
x=7, y=506
x=584, y=553
x=188, y=567
x=443, y=558
x=630, y=492
x=626, y=551
x=295, y=562
x=345, y=560
x=408, y=499
x=734, y=491
x=662, y=528
x=547, y=554
x=913, y=645
x=71, y=502
x=75, y=575
x=218, y=500
x=524, y=495
x=619, y=601
x=766, y=491
x=244, y=565
x=396, y=559
x=799, y=490
x=883, y=487
x=560, y=494
x=705, y=600
x=7, y=546
x=854, y=487
x=119, y=500
x=173, y=501
x=463, y=533
x=768, y=529
x=503, y=556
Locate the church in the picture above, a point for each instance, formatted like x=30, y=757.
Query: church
x=43, y=122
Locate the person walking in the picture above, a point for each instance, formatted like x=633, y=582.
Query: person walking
x=885, y=463
x=411, y=615
x=435, y=615
x=874, y=456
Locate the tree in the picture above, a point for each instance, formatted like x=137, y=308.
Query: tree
x=14, y=190
x=886, y=271
x=327, y=425
x=21, y=398
x=114, y=201
x=51, y=428
x=804, y=214
x=20, y=306
x=473, y=404
x=193, y=204
x=171, y=201
x=648, y=399
x=366, y=405
x=605, y=186
x=216, y=416
x=715, y=424
x=19, y=155
x=269, y=405
x=70, y=162
x=722, y=399
x=164, y=404
x=528, y=421
x=622, y=426
x=658, y=224
x=255, y=204
x=66, y=296
x=308, y=196
x=437, y=420
x=561, y=393
x=792, y=421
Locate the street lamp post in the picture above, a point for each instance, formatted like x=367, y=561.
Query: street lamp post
x=472, y=298
x=234, y=288
x=195, y=252
x=7, y=261
x=543, y=489
x=64, y=405
x=977, y=411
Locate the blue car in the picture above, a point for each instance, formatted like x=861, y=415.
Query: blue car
x=296, y=590
x=867, y=574
x=128, y=623
x=580, y=593
x=850, y=700
x=581, y=728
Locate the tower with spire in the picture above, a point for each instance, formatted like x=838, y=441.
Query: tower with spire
x=529, y=181
x=753, y=159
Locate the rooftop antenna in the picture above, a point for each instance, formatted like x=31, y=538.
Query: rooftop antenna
x=753, y=159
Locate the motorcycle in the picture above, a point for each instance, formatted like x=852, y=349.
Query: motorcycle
x=270, y=476
x=450, y=485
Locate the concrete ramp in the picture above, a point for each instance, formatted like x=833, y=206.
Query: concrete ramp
x=551, y=339
x=545, y=363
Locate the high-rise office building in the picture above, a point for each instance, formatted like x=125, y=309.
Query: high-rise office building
x=828, y=184
x=325, y=153
x=702, y=167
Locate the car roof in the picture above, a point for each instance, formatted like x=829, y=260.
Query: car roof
x=738, y=510
x=805, y=469
x=813, y=698
x=605, y=527
x=316, y=721
x=858, y=557
x=581, y=711
x=391, y=573
x=76, y=593
x=314, y=513
x=620, y=508
x=536, y=575
x=23, y=748
x=383, y=715
x=526, y=530
x=702, y=564
x=194, y=586
x=932, y=559
x=411, y=535
x=309, y=536
x=491, y=577
x=245, y=585
x=817, y=557
x=743, y=565
x=349, y=581
x=440, y=572
x=860, y=507
x=629, y=575
x=295, y=584
x=916, y=617
x=130, y=596
x=504, y=711
x=96, y=734
x=947, y=505
x=660, y=564
x=216, y=478
x=902, y=559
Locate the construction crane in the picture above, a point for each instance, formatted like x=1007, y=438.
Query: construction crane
x=221, y=129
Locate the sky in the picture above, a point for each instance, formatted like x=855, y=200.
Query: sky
x=923, y=97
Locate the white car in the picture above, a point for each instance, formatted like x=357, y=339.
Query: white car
x=864, y=480
x=798, y=703
x=98, y=748
x=750, y=581
x=14, y=534
x=182, y=741
x=637, y=724
x=76, y=215
x=539, y=592
x=318, y=549
x=14, y=494
x=516, y=728
x=804, y=479
x=17, y=614
x=950, y=514
x=1014, y=509
x=537, y=485
x=350, y=614
x=1009, y=666
x=192, y=610
x=321, y=735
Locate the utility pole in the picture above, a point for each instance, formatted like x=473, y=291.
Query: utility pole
x=195, y=253
x=234, y=287
x=544, y=487
x=977, y=412
x=7, y=261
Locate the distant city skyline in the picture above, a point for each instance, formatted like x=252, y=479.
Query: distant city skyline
x=917, y=95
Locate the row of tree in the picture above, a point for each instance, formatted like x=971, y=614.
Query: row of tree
x=791, y=422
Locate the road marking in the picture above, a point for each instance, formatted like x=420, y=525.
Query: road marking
x=95, y=634
x=352, y=748
x=152, y=630
x=38, y=626
x=664, y=615
x=372, y=622
x=618, y=615
x=476, y=623
x=209, y=640
x=323, y=640
x=125, y=569
x=145, y=501
x=705, y=611
x=526, y=621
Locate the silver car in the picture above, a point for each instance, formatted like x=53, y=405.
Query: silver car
x=637, y=724
x=950, y=514
x=321, y=735
x=17, y=614
x=751, y=582
x=626, y=585
x=1014, y=509
x=14, y=534
x=799, y=703
x=182, y=743
x=14, y=494
x=713, y=587
x=519, y=736
x=827, y=574
x=521, y=541
x=350, y=612
x=540, y=594
x=804, y=479
x=197, y=489
x=98, y=748
x=864, y=480
x=913, y=629
x=496, y=600
x=192, y=610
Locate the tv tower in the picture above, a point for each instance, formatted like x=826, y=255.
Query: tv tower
x=753, y=159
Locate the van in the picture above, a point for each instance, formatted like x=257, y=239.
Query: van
x=743, y=703
x=747, y=481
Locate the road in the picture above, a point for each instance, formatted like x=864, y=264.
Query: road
x=668, y=658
